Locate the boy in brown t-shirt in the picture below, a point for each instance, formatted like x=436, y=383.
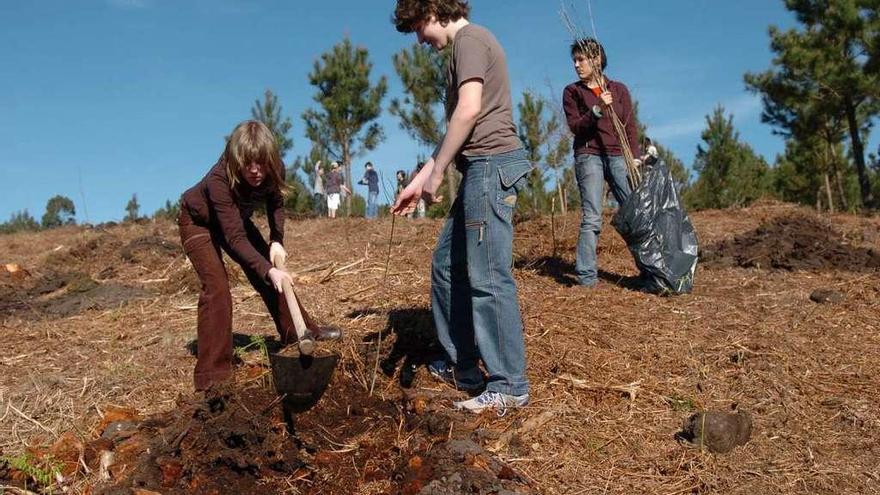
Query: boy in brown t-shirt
x=473, y=294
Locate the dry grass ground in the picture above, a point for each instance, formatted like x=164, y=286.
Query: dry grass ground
x=614, y=372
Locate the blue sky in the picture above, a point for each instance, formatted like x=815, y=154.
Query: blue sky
x=100, y=99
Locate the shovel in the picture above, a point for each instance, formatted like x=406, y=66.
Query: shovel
x=304, y=339
x=300, y=377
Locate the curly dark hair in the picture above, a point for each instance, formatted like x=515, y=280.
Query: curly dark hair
x=591, y=48
x=409, y=13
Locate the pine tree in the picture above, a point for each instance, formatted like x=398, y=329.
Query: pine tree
x=18, y=222
x=730, y=172
x=814, y=152
x=421, y=71
x=535, y=131
x=344, y=125
x=268, y=112
x=132, y=209
x=168, y=212
x=299, y=192
x=558, y=156
x=824, y=73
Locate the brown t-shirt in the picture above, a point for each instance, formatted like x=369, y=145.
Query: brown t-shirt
x=476, y=54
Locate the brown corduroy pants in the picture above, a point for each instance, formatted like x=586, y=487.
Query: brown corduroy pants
x=202, y=246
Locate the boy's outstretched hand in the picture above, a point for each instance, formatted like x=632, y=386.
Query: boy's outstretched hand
x=431, y=187
x=408, y=199
x=423, y=186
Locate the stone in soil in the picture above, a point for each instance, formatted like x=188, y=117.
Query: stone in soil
x=717, y=431
x=827, y=296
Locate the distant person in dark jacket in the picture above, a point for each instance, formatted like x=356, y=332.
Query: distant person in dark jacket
x=597, y=150
x=371, y=180
x=215, y=215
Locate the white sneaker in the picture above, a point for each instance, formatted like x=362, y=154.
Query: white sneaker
x=492, y=400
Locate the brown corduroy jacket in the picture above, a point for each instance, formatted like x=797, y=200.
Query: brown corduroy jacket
x=213, y=204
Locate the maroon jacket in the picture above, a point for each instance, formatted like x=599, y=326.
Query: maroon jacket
x=211, y=203
x=594, y=135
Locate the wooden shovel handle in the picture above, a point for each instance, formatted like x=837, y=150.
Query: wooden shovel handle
x=306, y=343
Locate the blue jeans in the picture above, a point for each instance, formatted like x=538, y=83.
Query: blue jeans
x=372, y=206
x=473, y=294
x=591, y=172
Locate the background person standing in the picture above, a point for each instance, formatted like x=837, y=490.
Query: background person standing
x=371, y=180
x=334, y=186
x=598, y=152
x=319, y=197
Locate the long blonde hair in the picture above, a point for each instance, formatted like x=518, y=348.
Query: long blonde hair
x=253, y=142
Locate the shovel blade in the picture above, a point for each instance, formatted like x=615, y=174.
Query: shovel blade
x=301, y=379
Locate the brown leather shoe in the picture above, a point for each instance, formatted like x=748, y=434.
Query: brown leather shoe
x=326, y=333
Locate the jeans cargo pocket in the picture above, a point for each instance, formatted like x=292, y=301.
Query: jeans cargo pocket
x=512, y=179
x=512, y=171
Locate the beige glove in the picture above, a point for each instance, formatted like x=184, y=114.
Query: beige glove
x=277, y=250
x=279, y=278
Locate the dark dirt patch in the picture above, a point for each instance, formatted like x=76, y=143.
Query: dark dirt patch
x=792, y=242
x=65, y=294
x=109, y=256
x=71, y=283
x=102, y=249
x=224, y=441
x=105, y=296
x=150, y=250
x=234, y=439
x=462, y=466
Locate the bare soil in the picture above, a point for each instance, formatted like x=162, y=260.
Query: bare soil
x=98, y=339
x=796, y=241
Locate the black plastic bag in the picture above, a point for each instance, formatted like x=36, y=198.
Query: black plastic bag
x=658, y=232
